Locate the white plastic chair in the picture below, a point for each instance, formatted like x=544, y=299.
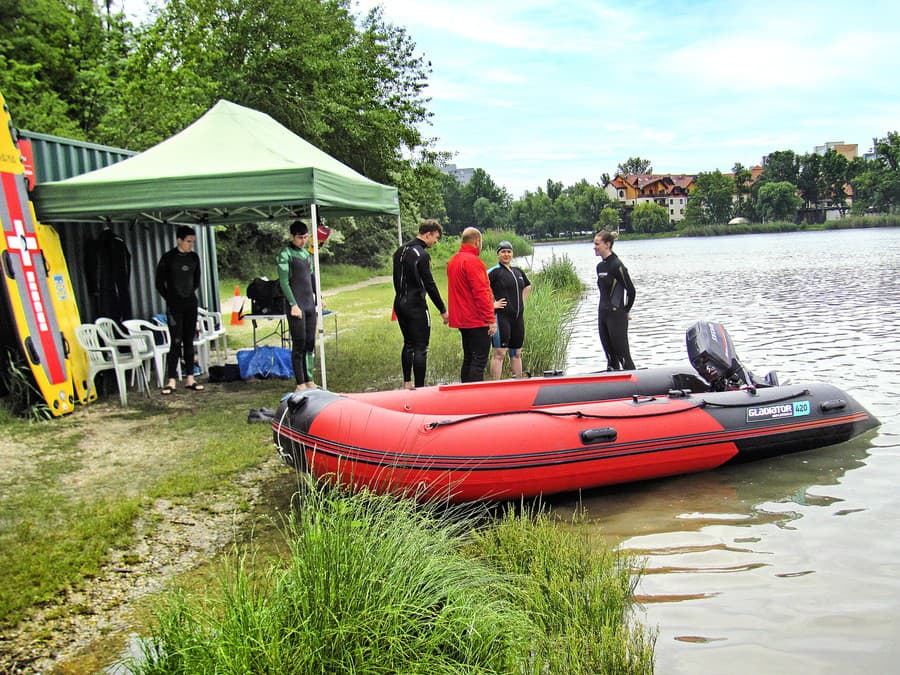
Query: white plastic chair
x=160, y=341
x=141, y=345
x=215, y=331
x=202, y=338
x=116, y=355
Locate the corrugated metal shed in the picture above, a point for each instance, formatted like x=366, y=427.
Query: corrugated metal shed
x=57, y=158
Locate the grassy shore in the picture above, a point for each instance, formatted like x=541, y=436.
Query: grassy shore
x=378, y=585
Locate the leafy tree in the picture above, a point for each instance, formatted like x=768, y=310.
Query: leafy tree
x=877, y=183
x=711, y=199
x=649, y=218
x=489, y=214
x=589, y=201
x=58, y=64
x=609, y=220
x=554, y=189
x=809, y=182
x=451, y=193
x=778, y=201
x=365, y=241
x=635, y=165
x=533, y=214
x=782, y=165
x=564, y=215
x=357, y=93
x=482, y=185
x=835, y=175
x=743, y=205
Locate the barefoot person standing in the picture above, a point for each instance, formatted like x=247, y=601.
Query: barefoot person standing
x=616, y=298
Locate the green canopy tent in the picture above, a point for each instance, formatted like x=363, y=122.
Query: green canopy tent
x=232, y=165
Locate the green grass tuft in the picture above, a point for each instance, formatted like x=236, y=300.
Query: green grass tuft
x=378, y=585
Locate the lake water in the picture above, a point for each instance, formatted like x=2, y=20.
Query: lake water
x=790, y=564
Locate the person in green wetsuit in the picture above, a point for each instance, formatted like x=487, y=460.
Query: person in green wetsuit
x=295, y=275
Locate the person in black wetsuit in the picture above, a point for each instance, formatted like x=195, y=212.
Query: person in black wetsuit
x=177, y=281
x=295, y=274
x=616, y=298
x=412, y=281
x=510, y=287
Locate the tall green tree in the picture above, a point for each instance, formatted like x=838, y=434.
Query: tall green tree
x=781, y=165
x=635, y=165
x=59, y=64
x=590, y=200
x=609, y=220
x=835, y=176
x=565, y=215
x=554, y=189
x=356, y=92
x=743, y=205
x=533, y=214
x=711, y=199
x=877, y=182
x=778, y=201
x=809, y=180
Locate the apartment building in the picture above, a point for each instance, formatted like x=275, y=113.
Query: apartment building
x=670, y=191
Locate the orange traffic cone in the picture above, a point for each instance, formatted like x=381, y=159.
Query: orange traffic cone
x=237, y=319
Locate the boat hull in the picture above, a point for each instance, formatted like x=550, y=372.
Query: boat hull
x=500, y=450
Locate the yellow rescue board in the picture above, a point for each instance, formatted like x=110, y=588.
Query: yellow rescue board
x=25, y=279
x=63, y=295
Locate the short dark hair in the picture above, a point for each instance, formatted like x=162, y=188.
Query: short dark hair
x=184, y=231
x=299, y=227
x=429, y=226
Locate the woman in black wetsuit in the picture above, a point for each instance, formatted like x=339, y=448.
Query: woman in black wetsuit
x=616, y=298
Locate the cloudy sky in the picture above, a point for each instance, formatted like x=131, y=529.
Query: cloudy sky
x=536, y=89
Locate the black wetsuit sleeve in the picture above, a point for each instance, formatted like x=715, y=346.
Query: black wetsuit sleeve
x=424, y=265
x=398, y=269
x=629, y=287
x=162, y=275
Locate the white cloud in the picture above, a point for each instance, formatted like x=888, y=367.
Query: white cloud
x=535, y=89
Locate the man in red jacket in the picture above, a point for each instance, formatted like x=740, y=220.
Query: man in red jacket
x=471, y=305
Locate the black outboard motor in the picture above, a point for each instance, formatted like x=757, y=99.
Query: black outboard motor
x=712, y=354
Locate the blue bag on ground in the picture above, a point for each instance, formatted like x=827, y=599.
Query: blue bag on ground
x=265, y=362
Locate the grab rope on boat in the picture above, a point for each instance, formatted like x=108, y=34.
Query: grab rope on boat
x=786, y=397
x=575, y=413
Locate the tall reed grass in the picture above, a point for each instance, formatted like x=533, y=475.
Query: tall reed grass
x=372, y=584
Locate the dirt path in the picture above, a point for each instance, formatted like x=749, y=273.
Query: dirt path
x=360, y=284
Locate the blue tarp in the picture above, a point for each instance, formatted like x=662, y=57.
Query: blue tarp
x=265, y=362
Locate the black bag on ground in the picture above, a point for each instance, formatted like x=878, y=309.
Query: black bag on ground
x=230, y=372
x=265, y=297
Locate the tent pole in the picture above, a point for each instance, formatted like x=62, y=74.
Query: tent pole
x=399, y=231
x=320, y=323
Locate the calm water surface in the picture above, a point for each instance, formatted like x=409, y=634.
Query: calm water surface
x=790, y=564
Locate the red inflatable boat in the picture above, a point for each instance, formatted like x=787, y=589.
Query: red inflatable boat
x=522, y=438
